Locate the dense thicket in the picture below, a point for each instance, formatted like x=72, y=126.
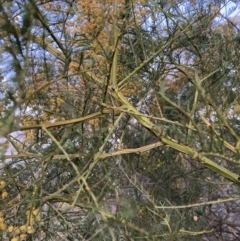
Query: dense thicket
x=119, y=120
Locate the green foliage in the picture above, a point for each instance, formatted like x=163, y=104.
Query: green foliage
x=123, y=130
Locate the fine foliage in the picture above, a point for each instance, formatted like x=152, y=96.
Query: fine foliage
x=119, y=120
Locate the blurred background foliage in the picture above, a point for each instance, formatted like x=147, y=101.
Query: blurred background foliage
x=75, y=163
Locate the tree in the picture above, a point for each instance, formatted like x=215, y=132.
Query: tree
x=111, y=112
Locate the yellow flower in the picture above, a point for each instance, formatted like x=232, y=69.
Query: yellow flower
x=17, y=230
x=38, y=218
x=23, y=237
x=4, y=194
x=31, y=230
x=2, y=184
x=35, y=212
x=3, y=226
x=23, y=228
x=15, y=239
x=10, y=229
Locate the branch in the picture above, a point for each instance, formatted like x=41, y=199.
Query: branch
x=101, y=156
x=199, y=204
x=69, y=122
x=156, y=130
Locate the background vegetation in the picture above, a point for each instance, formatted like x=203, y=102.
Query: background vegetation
x=119, y=120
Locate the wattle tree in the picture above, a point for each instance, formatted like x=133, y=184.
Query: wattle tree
x=119, y=120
